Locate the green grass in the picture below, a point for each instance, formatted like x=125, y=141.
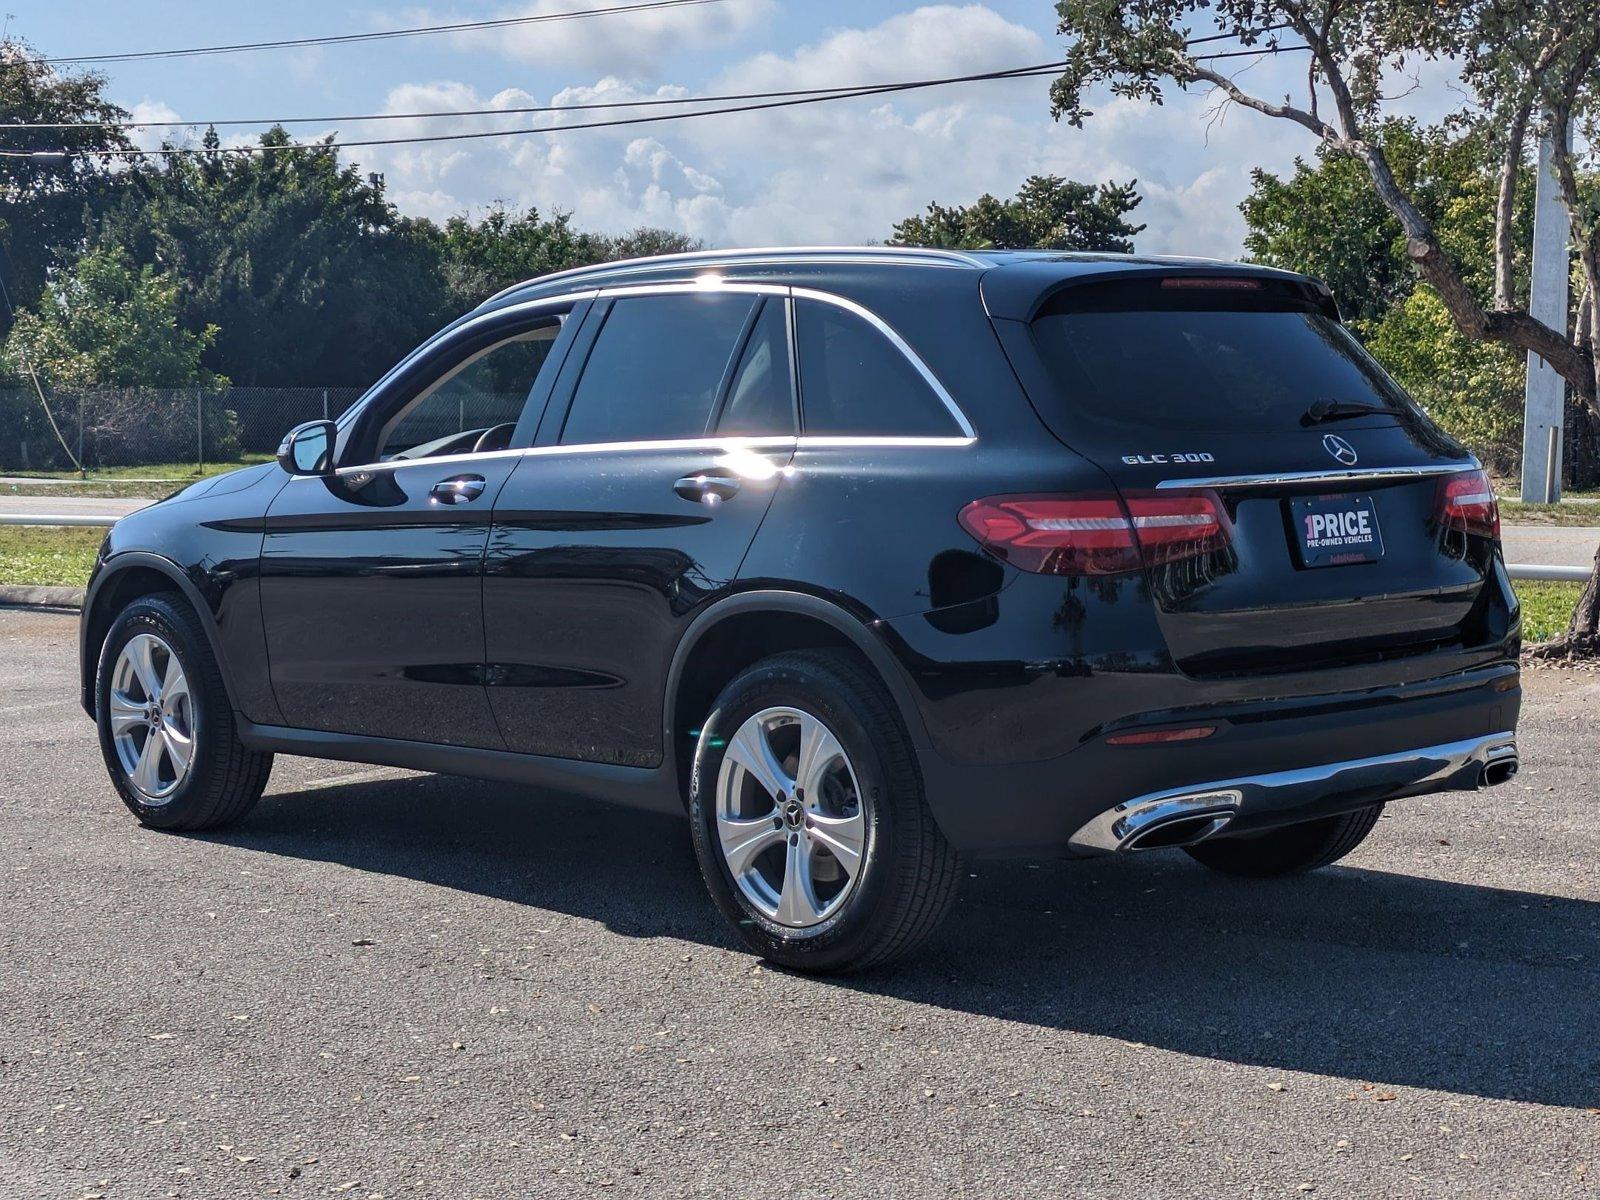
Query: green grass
x=1513, y=512
x=64, y=556
x=149, y=481
x=1546, y=607
x=181, y=471
x=58, y=557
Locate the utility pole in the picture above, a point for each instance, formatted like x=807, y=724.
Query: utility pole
x=1544, y=406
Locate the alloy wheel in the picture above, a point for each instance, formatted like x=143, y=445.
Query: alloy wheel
x=152, y=717
x=790, y=817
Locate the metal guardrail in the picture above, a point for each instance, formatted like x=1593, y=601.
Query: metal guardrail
x=49, y=519
x=1516, y=570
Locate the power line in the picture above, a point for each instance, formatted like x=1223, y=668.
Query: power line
x=1038, y=70
x=376, y=35
x=652, y=102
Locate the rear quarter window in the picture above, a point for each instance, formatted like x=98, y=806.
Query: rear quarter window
x=855, y=382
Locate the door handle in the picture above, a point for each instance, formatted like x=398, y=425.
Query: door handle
x=459, y=490
x=707, y=487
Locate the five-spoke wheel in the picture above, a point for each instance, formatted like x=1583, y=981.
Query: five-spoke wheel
x=809, y=819
x=152, y=717
x=789, y=816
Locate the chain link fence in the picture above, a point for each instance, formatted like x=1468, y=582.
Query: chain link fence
x=143, y=427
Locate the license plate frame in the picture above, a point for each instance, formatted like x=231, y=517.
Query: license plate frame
x=1335, y=530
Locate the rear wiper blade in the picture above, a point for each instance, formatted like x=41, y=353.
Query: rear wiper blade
x=1337, y=410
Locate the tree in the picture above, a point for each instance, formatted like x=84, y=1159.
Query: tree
x=107, y=323
x=646, y=241
x=309, y=273
x=1528, y=66
x=1047, y=213
x=481, y=257
x=43, y=200
x=1324, y=219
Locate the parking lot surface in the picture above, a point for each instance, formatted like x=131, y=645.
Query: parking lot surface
x=390, y=984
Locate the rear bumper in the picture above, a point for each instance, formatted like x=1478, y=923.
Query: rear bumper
x=1270, y=762
x=1184, y=815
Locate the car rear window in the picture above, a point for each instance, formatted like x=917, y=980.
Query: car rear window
x=1221, y=359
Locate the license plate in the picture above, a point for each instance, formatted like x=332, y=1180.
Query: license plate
x=1334, y=530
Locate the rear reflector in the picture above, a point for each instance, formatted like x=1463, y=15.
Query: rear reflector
x=1466, y=504
x=1098, y=534
x=1192, y=733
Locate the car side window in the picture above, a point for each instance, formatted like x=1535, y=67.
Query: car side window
x=656, y=368
x=475, y=405
x=760, y=399
x=854, y=381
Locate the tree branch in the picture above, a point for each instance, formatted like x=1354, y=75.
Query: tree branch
x=1505, y=209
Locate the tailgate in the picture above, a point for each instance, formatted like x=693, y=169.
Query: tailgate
x=1352, y=528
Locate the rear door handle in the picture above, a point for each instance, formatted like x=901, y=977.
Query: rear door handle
x=708, y=487
x=459, y=490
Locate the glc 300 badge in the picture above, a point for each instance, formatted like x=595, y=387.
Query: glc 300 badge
x=1339, y=448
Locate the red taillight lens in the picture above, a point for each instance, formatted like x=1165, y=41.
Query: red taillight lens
x=1097, y=534
x=1467, y=504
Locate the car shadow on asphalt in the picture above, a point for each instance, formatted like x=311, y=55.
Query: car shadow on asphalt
x=1363, y=974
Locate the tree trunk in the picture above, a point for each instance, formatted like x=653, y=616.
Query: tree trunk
x=1582, y=638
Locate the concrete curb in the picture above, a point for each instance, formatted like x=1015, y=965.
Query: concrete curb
x=24, y=595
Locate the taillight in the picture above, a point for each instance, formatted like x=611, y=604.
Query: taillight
x=1097, y=534
x=1467, y=504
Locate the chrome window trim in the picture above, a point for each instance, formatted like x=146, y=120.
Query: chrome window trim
x=828, y=442
x=1355, y=475
x=721, y=444
x=966, y=438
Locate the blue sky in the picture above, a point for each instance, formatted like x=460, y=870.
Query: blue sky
x=831, y=173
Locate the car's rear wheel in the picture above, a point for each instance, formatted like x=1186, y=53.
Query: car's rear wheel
x=1291, y=849
x=809, y=819
x=166, y=726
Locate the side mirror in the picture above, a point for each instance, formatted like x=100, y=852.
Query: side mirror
x=308, y=449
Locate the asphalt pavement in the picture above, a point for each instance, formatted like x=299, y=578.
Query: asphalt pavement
x=390, y=984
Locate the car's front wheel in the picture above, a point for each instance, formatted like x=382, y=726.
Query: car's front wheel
x=809, y=819
x=166, y=726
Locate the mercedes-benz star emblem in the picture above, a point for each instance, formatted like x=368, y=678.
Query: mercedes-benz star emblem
x=1339, y=448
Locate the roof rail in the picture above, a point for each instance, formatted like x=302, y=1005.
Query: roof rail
x=762, y=254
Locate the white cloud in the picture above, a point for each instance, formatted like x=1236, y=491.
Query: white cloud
x=846, y=171
x=632, y=41
x=153, y=110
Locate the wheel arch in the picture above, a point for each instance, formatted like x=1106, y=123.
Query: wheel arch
x=740, y=630
x=124, y=578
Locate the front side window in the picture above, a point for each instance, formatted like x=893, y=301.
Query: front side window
x=854, y=381
x=656, y=368
x=475, y=405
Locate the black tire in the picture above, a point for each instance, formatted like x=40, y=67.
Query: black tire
x=1290, y=850
x=225, y=779
x=909, y=873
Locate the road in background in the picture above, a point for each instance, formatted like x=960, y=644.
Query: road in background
x=384, y=983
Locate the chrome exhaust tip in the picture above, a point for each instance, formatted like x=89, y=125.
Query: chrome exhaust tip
x=1180, y=831
x=1500, y=765
x=1502, y=770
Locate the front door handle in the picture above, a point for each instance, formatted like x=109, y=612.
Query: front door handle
x=707, y=487
x=459, y=490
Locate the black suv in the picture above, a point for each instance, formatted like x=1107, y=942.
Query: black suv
x=868, y=558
